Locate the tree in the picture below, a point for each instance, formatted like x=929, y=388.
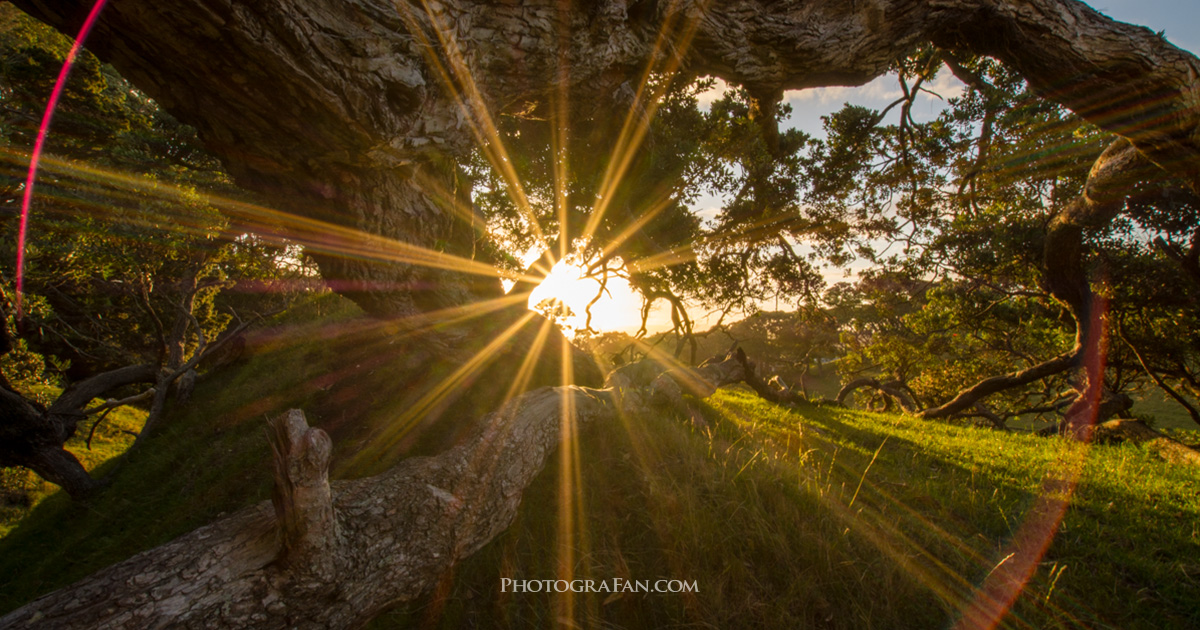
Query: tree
x=375, y=151
x=116, y=295
x=352, y=149
x=1004, y=238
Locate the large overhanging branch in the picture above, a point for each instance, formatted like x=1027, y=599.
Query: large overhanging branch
x=967, y=398
x=349, y=110
x=1109, y=182
x=325, y=558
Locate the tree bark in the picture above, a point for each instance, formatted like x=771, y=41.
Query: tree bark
x=893, y=390
x=1164, y=446
x=354, y=112
x=323, y=555
x=977, y=392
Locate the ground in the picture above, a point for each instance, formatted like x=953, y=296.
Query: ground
x=782, y=517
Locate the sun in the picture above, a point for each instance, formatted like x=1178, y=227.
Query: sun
x=618, y=309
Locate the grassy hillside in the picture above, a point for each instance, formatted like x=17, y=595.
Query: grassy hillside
x=809, y=517
x=835, y=519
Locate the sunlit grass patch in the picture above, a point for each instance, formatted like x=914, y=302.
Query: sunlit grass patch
x=829, y=518
x=784, y=517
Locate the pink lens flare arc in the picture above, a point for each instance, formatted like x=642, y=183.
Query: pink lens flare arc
x=43, y=130
x=996, y=595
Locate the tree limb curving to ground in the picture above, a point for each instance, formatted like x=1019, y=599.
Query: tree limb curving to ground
x=335, y=555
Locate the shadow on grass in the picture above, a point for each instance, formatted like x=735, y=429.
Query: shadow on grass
x=1121, y=556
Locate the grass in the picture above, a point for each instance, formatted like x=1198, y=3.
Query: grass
x=208, y=459
x=805, y=517
x=211, y=457
x=834, y=519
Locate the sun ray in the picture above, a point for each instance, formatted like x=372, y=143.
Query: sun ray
x=484, y=460
x=570, y=486
x=688, y=251
x=883, y=533
x=559, y=144
x=461, y=87
x=642, y=110
x=277, y=226
x=525, y=371
x=635, y=226
x=439, y=392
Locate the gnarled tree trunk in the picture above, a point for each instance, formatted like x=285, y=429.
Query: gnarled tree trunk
x=33, y=436
x=1065, y=275
x=354, y=112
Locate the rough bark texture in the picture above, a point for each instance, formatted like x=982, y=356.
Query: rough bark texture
x=322, y=556
x=301, y=496
x=1109, y=183
x=354, y=111
x=773, y=389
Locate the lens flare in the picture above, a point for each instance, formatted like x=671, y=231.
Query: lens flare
x=43, y=130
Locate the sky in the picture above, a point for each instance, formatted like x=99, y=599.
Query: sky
x=1178, y=19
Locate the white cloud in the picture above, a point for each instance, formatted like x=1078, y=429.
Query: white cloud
x=707, y=97
x=880, y=89
x=808, y=106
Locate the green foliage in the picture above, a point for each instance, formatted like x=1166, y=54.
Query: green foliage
x=953, y=215
x=96, y=447
x=763, y=508
x=616, y=194
x=123, y=232
x=554, y=310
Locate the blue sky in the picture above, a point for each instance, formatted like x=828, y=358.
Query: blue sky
x=1179, y=18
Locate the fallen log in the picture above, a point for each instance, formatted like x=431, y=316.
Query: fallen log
x=334, y=555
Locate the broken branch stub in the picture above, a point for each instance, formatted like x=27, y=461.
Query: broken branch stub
x=301, y=496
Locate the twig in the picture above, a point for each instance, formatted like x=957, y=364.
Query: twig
x=865, y=471
x=107, y=407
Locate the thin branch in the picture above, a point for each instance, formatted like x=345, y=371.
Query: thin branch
x=113, y=404
x=1170, y=391
x=144, y=294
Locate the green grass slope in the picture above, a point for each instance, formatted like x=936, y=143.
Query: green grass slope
x=211, y=456
x=781, y=517
x=825, y=518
